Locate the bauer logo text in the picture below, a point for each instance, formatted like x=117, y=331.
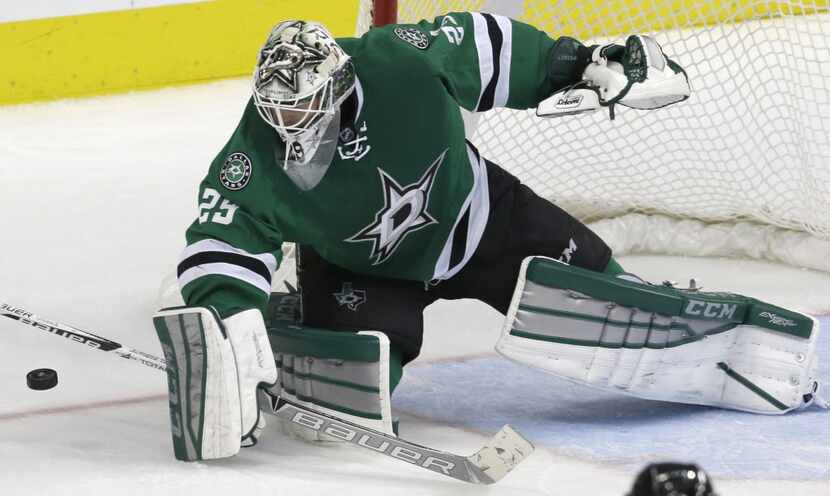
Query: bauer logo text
x=366, y=439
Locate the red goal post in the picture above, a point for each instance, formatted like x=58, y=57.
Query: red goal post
x=384, y=12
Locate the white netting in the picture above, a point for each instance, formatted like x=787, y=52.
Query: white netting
x=364, y=17
x=751, y=144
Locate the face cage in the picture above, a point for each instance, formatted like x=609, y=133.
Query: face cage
x=304, y=116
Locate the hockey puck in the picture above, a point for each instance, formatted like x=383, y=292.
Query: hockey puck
x=42, y=379
x=675, y=479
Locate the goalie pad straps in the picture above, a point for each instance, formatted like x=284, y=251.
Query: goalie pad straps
x=213, y=369
x=661, y=343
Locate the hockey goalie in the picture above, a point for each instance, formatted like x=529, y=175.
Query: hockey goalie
x=354, y=149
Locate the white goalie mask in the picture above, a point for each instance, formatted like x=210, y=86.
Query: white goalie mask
x=301, y=78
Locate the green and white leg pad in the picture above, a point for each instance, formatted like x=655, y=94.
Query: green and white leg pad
x=345, y=374
x=660, y=342
x=214, y=368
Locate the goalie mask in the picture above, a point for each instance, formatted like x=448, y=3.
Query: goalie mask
x=301, y=78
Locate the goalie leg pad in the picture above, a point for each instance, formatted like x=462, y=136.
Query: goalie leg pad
x=202, y=381
x=345, y=374
x=659, y=342
x=214, y=368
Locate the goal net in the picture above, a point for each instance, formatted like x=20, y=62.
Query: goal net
x=740, y=169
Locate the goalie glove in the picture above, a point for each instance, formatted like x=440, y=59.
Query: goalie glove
x=214, y=368
x=638, y=75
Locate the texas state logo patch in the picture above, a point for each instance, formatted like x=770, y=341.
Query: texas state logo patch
x=236, y=171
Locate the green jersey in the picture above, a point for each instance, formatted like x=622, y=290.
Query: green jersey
x=405, y=196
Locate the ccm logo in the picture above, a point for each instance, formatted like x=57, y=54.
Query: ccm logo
x=711, y=310
x=368, y=441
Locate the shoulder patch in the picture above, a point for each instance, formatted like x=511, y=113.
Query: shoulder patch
x=236, y=171
x=413, y=36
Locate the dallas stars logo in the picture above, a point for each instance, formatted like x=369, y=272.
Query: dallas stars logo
x=349, y=297
x=284, y=58
x=236, y=171
x=404, y=211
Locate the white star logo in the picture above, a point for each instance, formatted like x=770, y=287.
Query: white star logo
x=284, y=60
x=404, y=211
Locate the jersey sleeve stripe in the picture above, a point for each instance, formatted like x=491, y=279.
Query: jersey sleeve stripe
x=503, y=84
x=485, y=53
x=214, y=257
x=496, y=40
x=204, y=245
x=225, y=269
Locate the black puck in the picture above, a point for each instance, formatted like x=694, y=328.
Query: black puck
x=42, y=379
x=672, y=479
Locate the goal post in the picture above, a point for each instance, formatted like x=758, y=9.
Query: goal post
x=740, y=169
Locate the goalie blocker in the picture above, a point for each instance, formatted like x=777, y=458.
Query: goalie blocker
x=660, y=342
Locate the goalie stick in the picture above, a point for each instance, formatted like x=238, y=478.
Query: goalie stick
x=486, y=466
x=80, y=336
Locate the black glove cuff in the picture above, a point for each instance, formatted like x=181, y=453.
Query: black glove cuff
x=567, y=61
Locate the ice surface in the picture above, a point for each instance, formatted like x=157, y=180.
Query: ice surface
x=483, y=393
x=95, y=196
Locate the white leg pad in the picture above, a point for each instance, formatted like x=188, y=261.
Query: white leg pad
x=203, y=387
x=661, y=343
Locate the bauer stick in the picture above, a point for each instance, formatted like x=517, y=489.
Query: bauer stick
x=486, y=466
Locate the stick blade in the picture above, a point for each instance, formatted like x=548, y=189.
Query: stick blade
x=502, y=453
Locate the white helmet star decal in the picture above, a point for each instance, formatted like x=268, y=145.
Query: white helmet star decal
x=284, y=59
x=404, y=211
